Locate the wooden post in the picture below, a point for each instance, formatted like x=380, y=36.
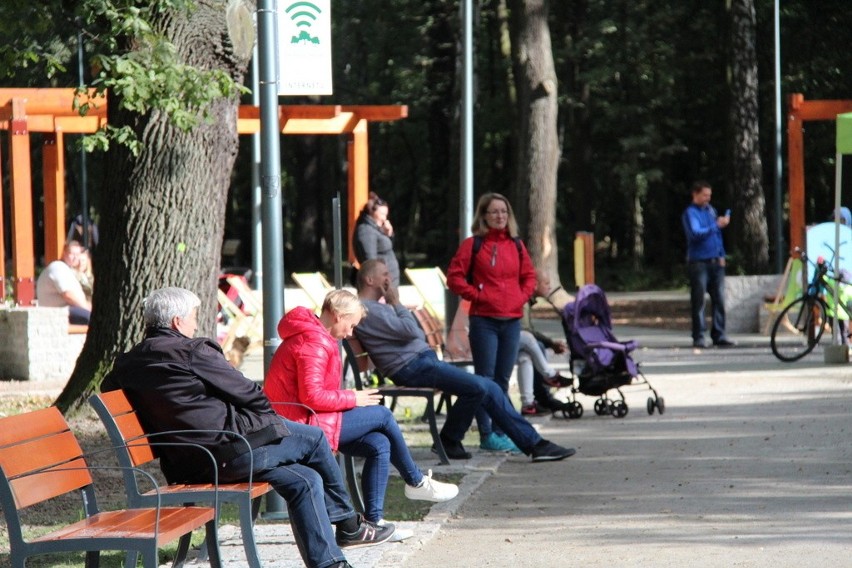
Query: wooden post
x=2, y=240
x=796, y=173
x=22, y=205
x=53, y=171
x=359, y=178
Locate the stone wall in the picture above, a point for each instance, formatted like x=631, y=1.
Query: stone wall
x=744, y=299
x=35, y=344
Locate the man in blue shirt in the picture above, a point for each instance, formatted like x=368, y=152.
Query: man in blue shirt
x=705, y=256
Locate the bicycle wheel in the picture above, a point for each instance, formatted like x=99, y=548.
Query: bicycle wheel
x=798, y=329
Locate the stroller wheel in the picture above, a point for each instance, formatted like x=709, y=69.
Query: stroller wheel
x=574, y=410
x=601, y=407
x=661, y=405
x=651, y=405
x=619, y=409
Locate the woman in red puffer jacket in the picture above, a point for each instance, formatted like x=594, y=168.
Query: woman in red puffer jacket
x=306, y=369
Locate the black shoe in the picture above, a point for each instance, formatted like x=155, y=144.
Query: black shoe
x=367, y=534
x=724, y=343
x=557, y=381
x=455, y=450
x=548, y=451
x=343, y=564
x=699, y=344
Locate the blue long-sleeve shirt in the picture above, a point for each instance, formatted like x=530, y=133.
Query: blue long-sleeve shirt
x=703, y=236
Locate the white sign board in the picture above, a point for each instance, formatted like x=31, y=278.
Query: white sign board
x=304, y=47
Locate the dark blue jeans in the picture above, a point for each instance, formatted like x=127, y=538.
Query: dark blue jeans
x=371, y=432
x=473, y=392
x=304, y=472
x=494, y=346
x=707, y=276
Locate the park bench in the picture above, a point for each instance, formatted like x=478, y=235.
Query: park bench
x=134, y=448
x=41, y=459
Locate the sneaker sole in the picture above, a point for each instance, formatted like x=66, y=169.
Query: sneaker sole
x=567, y=454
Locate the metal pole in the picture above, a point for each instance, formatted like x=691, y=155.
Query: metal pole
x=466, y=189
x=338, y=242
x=780, y=257
x=270, y=172
x=84, y=178
x=256, y=225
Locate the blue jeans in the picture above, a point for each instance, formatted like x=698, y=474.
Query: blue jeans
x=473, y=392
x=371, y=432
x=494, y=346
x=707, y=276
x=304, y=472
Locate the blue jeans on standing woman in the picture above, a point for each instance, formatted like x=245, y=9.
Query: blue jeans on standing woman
x=494, y=346
x=302, y=469
x=707, y=276
x=371, y=432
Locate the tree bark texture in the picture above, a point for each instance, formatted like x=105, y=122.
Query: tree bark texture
x=749, y=221
x=537, y=142
x=164, y=209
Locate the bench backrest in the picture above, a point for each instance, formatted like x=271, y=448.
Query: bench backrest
x=33, y=441
x=123, y=428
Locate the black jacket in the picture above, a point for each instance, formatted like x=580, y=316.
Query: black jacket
x=178, y=383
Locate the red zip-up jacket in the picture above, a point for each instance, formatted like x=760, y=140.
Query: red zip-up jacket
x=503, y=278
x=306, y=369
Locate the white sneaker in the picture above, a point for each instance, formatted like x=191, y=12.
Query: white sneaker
x=431, y=490
x=399, y=534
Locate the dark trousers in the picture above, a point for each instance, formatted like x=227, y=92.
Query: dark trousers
x=707, y=276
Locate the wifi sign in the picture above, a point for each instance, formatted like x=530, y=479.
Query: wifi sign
x=303, y=14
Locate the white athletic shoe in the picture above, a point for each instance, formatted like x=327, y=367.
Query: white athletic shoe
x=431, y=490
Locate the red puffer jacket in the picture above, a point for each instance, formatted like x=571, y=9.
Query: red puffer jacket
x=306, y=369
x=503, y=278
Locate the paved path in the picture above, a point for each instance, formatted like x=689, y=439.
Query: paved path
x=751, y=465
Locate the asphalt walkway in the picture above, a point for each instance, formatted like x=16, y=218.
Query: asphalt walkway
x=751, y=465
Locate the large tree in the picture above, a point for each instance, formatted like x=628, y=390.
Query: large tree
x=164, y=200
x=536, y=142
x=749, y=222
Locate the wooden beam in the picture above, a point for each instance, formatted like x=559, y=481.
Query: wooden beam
x=53, y=172
x=23, y=255
x=378, y=113
x=58, y=102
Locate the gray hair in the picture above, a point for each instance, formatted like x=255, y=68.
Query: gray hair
x=165, y=304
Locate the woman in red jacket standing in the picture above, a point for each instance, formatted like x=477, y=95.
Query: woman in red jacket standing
x=306, y=369
x=493, y=270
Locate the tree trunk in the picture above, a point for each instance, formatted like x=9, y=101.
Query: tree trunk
x=164, y=210
x=749, y=220
x=538, y=146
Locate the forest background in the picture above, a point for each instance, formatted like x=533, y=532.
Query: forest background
x=644, y=109
x=649, y=96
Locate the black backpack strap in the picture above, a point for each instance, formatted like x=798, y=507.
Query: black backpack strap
x=477, y=244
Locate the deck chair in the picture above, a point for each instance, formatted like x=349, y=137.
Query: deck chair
x=41, y=459
x=789, y=288
x=431, y=284
x=434, y=332
x=315, y=285
x=358, y=361
x=134, y=447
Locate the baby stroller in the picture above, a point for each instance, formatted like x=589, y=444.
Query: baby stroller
x=606, y=362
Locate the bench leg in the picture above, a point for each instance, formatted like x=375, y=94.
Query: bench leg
x=182, y=550
x=352, y=483
x=213, y=544
x=433, y=428
x=248, y=512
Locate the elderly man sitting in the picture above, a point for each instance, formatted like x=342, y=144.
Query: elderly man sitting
x=175, y=382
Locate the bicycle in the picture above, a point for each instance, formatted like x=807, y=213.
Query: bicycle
x=806, y=317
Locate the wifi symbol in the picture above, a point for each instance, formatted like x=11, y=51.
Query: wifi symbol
x=303, y=14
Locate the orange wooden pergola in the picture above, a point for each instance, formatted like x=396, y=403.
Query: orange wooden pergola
x=799, y=111
x=51, y=112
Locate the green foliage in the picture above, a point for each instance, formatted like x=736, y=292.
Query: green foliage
x=129, y=53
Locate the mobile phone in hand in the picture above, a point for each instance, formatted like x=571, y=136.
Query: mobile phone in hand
x=727, y=212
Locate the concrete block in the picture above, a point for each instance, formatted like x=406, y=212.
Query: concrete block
x=36, y=345
x=744, y=298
